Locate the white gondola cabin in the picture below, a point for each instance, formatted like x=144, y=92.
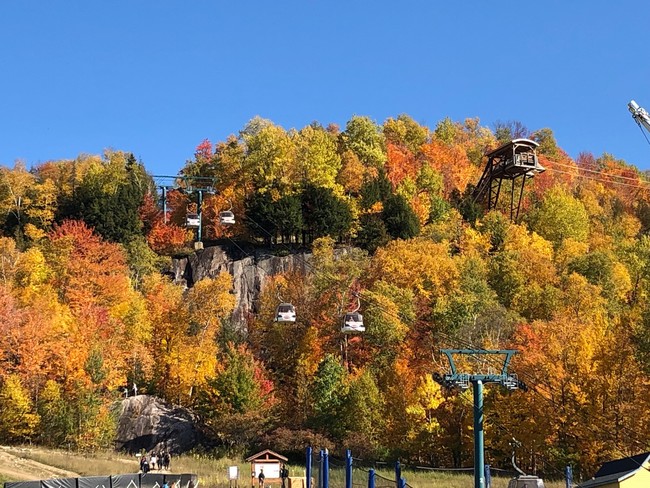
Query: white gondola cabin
x=352, y=323
x=227, y=217
x=193, y=221
x=285, y=312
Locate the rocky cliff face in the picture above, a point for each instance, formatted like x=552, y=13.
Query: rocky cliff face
x=250, y=271
x=146, y=422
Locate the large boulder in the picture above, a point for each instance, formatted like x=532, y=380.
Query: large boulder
x=147, y=422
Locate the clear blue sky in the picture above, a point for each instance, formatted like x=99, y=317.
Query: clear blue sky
x=157, y=77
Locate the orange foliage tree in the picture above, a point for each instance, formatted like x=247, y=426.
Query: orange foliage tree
x=452, y=162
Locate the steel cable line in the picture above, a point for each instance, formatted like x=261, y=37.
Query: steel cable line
x=590, y=421
x=642, y=131
x=601, y=173
x=388, y=313
x=305, y=262
x=341, y=464
x=621, y=183
x=485, y=360
x=481, y=358
x=509, y=432
x=497, y=363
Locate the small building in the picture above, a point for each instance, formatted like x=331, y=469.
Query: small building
x=630, y=472
x=515, y=161
x=270, y=463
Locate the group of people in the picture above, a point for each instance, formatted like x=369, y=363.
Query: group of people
x=284, y=474
x=155, y=460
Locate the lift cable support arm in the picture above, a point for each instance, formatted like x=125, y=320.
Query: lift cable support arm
x=462, y=380
x=477, y=379
x=641, y=117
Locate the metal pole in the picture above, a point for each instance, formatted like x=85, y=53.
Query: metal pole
x=521, y=195
x=512, y=197
x=479, y=461
x=164, y=202
x=371, y=478
x=321, y=458
x=348, y=469
x=568, y=474
x=198, y=211
x=308, y=467
x=326, y=470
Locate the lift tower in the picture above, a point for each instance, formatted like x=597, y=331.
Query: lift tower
x=462, y=380
x=515, y=161
x=189, y=185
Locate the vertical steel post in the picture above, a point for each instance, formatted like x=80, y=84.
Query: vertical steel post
x=568, y=475
x=371, y=478
x=521, y=195
x=326, y=470
x=308, y=467
x=198, y=211
x=348, y=469
x=321, y=459
x=164, y=202
x=479, y=461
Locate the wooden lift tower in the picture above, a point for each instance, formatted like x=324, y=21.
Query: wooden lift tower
x=514, y=161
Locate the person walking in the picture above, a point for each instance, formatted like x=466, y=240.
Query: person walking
x=260, y=478
x=284, y=474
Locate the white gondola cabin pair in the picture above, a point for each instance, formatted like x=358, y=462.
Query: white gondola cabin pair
x=352, y=321
x=193, y=221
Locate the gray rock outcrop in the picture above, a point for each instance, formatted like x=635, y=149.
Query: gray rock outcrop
x=250, y=271
x=146, y=422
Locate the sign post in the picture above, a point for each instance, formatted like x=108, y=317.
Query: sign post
x=233, y=476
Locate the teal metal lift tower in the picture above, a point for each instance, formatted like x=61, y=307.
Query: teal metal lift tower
x=477, y=380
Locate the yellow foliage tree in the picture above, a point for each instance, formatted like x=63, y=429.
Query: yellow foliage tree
x=18, y=422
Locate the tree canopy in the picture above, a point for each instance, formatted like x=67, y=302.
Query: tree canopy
x=88, y=306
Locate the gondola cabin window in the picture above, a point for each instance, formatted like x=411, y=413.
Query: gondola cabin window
x=192, y=221
x=285, y=312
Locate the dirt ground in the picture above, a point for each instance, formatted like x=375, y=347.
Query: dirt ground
x=15, y=468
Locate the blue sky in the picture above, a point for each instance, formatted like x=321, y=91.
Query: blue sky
x=157, y=77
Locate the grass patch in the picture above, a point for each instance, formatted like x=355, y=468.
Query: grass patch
x=85, y=464
x=421, y=479
x=213, y=473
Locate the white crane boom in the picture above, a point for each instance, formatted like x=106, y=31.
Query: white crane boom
x=639, y=114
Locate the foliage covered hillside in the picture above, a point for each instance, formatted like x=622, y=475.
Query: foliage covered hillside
x=86, y=312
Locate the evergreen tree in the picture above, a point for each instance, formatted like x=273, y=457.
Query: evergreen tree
x=372, y=234
x=260, y=217
x=375, y=190
x=400, y=219
x=109, y=199
x=329, y=391
x=324, y=214
x=287, y=215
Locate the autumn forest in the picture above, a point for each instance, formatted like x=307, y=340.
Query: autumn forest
x=384, y=217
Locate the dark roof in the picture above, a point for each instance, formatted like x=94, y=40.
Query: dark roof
x=593, y=483
x=515, y=142
x=622, y=466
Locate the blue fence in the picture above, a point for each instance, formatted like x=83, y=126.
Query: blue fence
x=137, y=480
x=332, y=473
